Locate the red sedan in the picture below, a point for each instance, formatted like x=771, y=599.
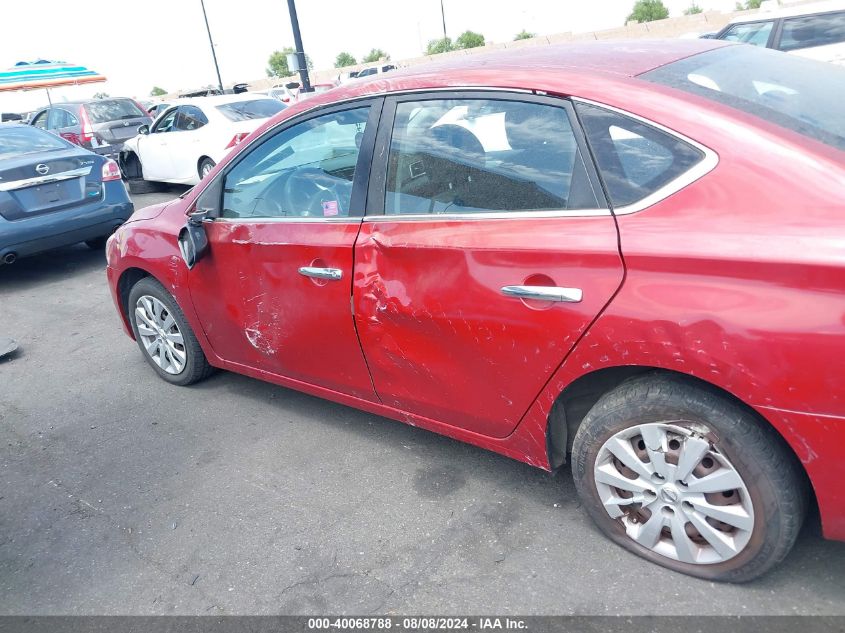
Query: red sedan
x=628, y=256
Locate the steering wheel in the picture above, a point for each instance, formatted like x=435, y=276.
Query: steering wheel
x=305, y=191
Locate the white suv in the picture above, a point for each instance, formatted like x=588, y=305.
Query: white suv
x=815, y=30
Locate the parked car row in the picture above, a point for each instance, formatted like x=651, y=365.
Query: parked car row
x=598, y=260
x=815, y=30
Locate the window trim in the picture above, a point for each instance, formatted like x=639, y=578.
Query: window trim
x=362, y=167
x=693, y=174
x=378, y=182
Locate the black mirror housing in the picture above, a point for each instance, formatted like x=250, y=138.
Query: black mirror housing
x=144, y=129
x=193, y=242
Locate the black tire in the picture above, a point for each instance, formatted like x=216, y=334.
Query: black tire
x=98, y=243
x=769, y=471
x=205, y=163
x=196, y=367
x=139, y=185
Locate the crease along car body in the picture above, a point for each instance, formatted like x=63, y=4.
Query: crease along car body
x=586, y=251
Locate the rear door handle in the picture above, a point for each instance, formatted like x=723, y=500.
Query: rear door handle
x=544, y=293
x=321, y=273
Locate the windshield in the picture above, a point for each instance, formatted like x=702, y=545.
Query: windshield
x=18, y=140
x=255, y=109
x=113, y=110
x=799, y=94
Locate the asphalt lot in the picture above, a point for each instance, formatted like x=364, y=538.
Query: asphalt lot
x=120, y=494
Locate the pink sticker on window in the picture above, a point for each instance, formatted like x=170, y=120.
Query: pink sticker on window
x=330, y=208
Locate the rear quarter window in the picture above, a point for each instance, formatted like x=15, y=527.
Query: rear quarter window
x=635, y=159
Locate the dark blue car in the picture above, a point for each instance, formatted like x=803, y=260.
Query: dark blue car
x=54, y=193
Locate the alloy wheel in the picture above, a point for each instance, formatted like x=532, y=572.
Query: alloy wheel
x=160, y=334
x=674, y=492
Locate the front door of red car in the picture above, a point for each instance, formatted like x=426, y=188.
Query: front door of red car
x=274, y=291
x=486, y=253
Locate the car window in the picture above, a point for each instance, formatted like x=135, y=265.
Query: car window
x=635, y=159
x=40, y=121
x=189, y=118
x=802, y=95
x=62, y=118
x=167, y=122
x=253, y=109
x=106, y=110
x=306, y=170
x=481, y=155
x=367, y=72
x=812, y=30
x=16, y=140
x=755, y=33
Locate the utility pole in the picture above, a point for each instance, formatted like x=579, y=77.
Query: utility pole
x=443, y=15
x=211, y=42
x=300, y=51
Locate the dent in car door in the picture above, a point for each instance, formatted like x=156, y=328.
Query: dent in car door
x=274, y=291
x=487, y=205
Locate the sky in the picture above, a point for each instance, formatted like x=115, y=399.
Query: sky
x=138, y=45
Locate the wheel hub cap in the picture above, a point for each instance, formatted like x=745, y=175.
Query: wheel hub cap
x=160, y=334
x=674, y=492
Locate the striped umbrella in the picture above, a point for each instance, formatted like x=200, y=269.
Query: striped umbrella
x=46, y=74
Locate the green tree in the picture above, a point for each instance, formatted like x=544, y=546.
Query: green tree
x=101, y=95
x=469, y=39
x=749, y=4
x=277, y=64
x=375, y=54
x=648, y=11
x=443, y=45
x=523, y=35
x=693, y=9
x=157, y=92
x=344, y=59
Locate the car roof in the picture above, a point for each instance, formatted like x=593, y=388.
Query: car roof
x=216, y=99
x=514, y=68
x=767, y=13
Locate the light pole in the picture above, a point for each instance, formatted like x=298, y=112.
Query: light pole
x=211, y=43
x=300, y=51
x=443, y=15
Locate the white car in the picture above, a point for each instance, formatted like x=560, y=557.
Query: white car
x=375, y=70
x=190, y=137
x=815, y=30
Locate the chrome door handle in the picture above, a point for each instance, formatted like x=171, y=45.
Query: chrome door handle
x=321, y=273
x=544, y=293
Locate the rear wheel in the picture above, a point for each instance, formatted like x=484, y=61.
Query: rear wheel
x=688, y=479
x=164, y=336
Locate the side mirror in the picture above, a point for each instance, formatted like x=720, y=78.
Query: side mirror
x=193, y=242
x=144, y=129
x=293, y=85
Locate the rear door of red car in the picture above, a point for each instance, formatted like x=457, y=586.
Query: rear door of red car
x=487, y=251
x=274, y=291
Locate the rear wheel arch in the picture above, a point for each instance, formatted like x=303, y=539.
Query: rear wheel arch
x=577, y=398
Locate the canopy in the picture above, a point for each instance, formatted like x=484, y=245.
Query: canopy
x=46, y=74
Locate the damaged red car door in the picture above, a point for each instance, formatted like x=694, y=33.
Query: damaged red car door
x=487, y=251
x=274, y=292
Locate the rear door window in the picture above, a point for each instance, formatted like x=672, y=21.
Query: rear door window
x=40, y=120
x=106, y=110
x=483, y=155
x=812, y=30
x=754, y=33
x=635, y=159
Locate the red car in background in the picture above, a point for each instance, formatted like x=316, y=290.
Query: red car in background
x=625, y=255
